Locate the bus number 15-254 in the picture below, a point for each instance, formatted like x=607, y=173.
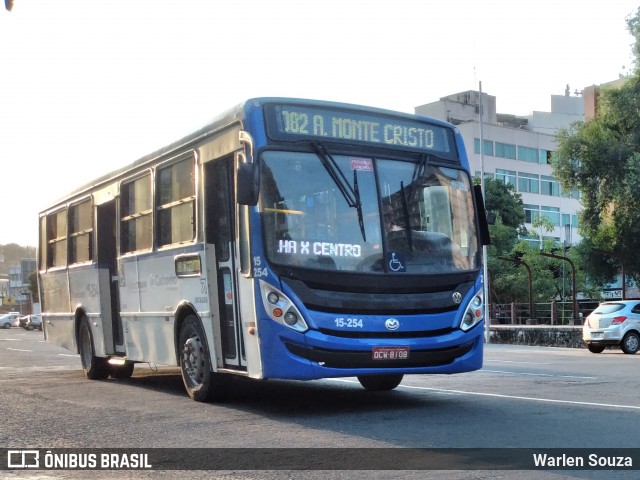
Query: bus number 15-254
x=349, y=322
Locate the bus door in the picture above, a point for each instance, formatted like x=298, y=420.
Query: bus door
x=220, y=232
x=107, y=260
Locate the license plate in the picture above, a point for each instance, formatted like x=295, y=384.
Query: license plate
x=597, y=335
x=390, y=353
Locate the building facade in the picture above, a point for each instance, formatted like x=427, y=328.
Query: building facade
x=518, y=150
x=19, y=288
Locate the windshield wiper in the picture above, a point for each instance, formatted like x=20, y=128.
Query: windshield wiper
x=418, y=171
x=350, y=194
x=356, y=192
x=405, y=214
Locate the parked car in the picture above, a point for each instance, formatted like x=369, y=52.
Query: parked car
x=31, y=322
x=613, y=324
x=11, y=319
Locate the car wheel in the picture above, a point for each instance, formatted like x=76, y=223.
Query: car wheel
x=7, y=325
x=29, y=327
x=595, y=348
x=195, y=365
x=95, y=368
x=630, y=343
x=121, y=372
x=379, y=383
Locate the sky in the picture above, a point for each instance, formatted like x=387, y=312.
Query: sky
x=88, y=86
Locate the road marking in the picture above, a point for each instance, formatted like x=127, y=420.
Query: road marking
x=19, y=350
x=537, y=374
x=11, y=339
x=499, y=395
x=68, y=355
x=513, y=361
x=41, y=369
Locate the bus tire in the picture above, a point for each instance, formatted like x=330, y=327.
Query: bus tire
x=379, y=383
x=121, y=372
x=201, y=383
x=95, y=368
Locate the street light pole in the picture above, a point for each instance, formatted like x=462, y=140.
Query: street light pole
x=485, y=255
x=573, y=281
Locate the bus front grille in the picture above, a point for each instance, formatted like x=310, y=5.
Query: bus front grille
x=386, y=334
x=364, y=358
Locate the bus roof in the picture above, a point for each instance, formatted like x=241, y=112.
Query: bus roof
x=230, y=116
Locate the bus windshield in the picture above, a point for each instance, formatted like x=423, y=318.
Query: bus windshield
x=414, y=218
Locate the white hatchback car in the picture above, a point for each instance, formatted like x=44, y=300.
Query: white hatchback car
x=10, y=320
x=614, y=323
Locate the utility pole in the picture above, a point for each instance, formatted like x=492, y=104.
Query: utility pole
x=485, y=255
x=573, y=281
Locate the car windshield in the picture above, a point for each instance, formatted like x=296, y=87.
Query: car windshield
x=411, y=218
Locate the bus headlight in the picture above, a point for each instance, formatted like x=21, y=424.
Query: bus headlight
x=474, y=312
x=280, y=309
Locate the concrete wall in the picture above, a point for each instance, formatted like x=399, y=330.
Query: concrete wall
x=556, y=336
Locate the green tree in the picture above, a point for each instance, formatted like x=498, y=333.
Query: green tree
x=506, y=280
x=601, y=158
x=501, y=199
x=508, y=275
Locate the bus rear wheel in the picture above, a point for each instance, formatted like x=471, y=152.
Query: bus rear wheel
x=201, y=383
x=95, y=368
x=379, y=383
x=121, y=372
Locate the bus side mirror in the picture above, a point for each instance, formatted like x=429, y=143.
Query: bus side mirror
x=247, y=183
x=485, y=237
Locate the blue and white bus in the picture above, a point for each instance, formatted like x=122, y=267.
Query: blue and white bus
x=287, y=239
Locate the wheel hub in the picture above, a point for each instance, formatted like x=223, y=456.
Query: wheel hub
x=193, y=361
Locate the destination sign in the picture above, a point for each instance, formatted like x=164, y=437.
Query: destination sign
x=293, y=122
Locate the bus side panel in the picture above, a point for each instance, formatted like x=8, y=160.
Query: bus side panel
x=147, y=292
x=212, y=325
x=154, y=286
x=149, y=339
x=57, y=318
x=84, y=294
x=129, y=285
x=104, y=309
x=249, y=319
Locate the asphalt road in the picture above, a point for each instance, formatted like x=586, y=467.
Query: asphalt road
x=524, y=397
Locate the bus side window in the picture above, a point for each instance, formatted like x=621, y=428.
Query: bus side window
x=81, y=232
x=135, y=214
x=175, y=197
x=57, y=239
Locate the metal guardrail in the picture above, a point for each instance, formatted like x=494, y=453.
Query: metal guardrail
x=550, y=313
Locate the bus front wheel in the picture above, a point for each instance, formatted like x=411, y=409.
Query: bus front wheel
x=195, y=364
x=95, y=368
x=379, y=383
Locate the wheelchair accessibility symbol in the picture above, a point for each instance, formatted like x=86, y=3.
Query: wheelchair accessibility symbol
x=396, y=262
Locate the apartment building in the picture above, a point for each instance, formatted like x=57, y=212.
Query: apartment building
x=19, y=287
x=518, y=150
